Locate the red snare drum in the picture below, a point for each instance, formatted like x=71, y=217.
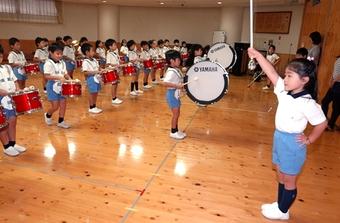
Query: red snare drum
x=185, y=56
x=110, y=76
x=129, y=69
x=79, y=63
x=32, y=68
x=3, y=121
x=160, y=65
x=71, y=88
x=26, y=101
x=148, y=63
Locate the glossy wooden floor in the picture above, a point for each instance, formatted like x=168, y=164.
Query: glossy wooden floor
x=121, y=165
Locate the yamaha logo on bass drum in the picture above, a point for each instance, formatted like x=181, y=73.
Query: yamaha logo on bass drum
x=205, y=69
x=217, y=48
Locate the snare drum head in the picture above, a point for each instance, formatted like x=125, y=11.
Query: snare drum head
x=223, y=54
x=207, y=82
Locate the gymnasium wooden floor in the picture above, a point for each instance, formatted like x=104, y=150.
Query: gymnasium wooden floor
x=121, y=165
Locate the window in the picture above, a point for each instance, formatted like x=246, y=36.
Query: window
x=41, y=11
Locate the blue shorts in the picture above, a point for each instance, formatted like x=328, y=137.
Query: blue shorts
x=70, y=65
x=52, y=95
x=41, y=67
x=173, y=102
x=8, y=112
x=147, y=70
x=102, y=61
x=288, y=154
x=93, y=86
x=19, y=76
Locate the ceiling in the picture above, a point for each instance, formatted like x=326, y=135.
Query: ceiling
x=188, y=3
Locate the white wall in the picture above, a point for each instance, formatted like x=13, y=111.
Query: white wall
x=79, y=20
x=191, y=25
x=285, y=43
x=142, y=23
x=231, y=22
x=108, y=22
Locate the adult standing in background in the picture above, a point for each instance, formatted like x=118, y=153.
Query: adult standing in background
x=314, y=54
x=333, y=95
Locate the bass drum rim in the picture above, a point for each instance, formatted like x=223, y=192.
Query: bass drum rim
x=233, y=61
x=210, y=102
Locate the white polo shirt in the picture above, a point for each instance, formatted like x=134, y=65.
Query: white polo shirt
x=132, y=55
x=145, y=55
x=184, y=50
x=90, y=65
x=17, y=58
x=112, y=58
x=124, y=50
x=101, y=52
x=7, y=78
x=69, y=52
x=177, y=48
x=272, y=58
x=292, y=113
x=41, y=54
x=154, y=53
x=336, y=69
x=53, y=68
x=174, y=76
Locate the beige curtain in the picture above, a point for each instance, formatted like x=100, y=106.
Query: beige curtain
x=38, y=11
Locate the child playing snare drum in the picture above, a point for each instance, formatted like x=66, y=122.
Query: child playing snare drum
x=55, y=72
x=8, y=85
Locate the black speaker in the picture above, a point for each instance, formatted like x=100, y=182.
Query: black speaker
x=241, y=65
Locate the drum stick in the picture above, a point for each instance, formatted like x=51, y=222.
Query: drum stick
x=195, y=79
x=257, y=76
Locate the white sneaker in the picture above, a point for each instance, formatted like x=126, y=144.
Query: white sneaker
x=45, y=92
x=48, y=120
x=10, y=151
x=267, y=206
x=147, y=86
x=266, y=88
x=117, y=101
x=182, y=133
x=275, y=214
x=63, y=125
x=18, y=148
x=177, y=135
x=133, y=93
x=95, y=110
x=139, y=92
x=154, y=82
x=162, y=78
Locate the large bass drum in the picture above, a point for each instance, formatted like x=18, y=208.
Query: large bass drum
x=223, y=54
x=207, y=82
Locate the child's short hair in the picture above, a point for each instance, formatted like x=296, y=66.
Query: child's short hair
x=13, y=41
x=85, y=48
x=58, y=39
x=143, y=43
x=45, y=39
x=67, y=38
x=183, y=42
x=97, y=43
x=130, y=43
x=151, y=41
x=160, y=42
x=176, y=41
x=109, y=42
x=166, y=40
x=38, y=40
x=1, y=49
x=55, y=47
x=172, y=55
x=315, y=37
x=272, y=46
x=305, y=68
x=82, y=40
x=302, y=51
